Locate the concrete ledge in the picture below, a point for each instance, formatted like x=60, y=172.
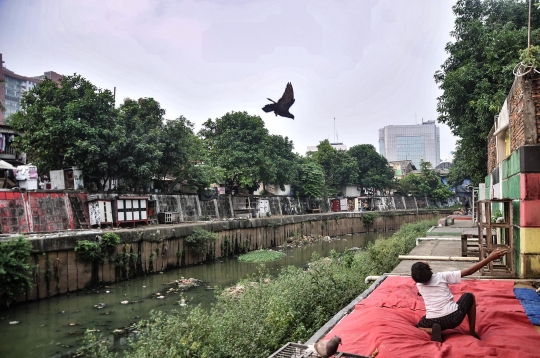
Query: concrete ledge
x=345, y=311
x=437, y=258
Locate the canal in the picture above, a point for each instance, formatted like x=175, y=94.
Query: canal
x=56, y=326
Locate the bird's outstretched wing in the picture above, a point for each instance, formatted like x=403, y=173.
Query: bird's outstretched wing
x=287, y=100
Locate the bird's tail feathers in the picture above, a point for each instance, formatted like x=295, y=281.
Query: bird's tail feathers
x=271, y=100
x=268, y=108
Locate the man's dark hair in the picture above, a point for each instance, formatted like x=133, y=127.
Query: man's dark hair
x=421, y=272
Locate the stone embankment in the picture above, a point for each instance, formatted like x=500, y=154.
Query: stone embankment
x=151, y=249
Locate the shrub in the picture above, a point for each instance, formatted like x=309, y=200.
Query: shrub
x=95, y=250
x=14, y=277
x=368, y=218
x=268, y=314
x=199, y=240
x=109, y=243
x=88, y=250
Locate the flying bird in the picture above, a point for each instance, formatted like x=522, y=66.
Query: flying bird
x=282, y=106
x=326, y=348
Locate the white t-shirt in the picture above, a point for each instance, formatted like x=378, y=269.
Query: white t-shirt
x=437, y=297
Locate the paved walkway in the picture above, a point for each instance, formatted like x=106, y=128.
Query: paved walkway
x=440, y=241
x=435, y=247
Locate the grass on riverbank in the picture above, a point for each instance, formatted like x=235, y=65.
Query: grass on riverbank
x=268, y=314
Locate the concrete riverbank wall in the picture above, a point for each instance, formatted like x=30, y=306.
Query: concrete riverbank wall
x=145, y=250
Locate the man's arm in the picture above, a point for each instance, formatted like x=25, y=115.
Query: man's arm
x=497, y=254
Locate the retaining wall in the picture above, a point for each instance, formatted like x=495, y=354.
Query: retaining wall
x=59, y=270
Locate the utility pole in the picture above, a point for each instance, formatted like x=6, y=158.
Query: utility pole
x=529, y=29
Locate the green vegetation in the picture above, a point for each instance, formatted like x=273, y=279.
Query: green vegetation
x=338, y=166
x=368, y=218
x=200, y=239
x=240, y=144
x=261, y=256
x=477, y=75
x=77, y=124
x=269, y=313
x=427, y=183
x=98, y=250
x=14, y=276
x=88, y=250
x=109, y=243
x=373, y=169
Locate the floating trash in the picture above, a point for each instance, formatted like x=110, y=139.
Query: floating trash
x=124, y=302
x=14, y=322
x=100, y=305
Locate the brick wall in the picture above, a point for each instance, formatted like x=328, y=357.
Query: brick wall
x=492, y=151
x=516, y=103
x=536, y=99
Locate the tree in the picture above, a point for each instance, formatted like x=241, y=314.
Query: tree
x=70, y=124
x=140, y=149
x=236, y=143
x=183, y=157
x=459, y=170
x=373, y=169
x=338, y=166
x=427, y=183
x=281, y=165
x=310, y=181
x=477, y=75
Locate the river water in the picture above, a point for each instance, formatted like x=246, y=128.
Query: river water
x=56, y=325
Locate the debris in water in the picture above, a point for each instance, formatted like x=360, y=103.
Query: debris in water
x=73, y=324
x=124, y=302
x=14, y=322
x=160, y=297
x=98, y=306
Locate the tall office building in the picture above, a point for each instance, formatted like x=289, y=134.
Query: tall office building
x=14, y=86
x=411, y=142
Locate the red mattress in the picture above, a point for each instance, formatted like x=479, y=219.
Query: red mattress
x=386, y=321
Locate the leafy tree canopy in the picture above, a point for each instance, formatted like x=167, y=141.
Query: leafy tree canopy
x=183, y=157
x=139, y=151
x=236, y=143
x=373, y=169
x=281, y=164
x=338, y=166
x=70, y=124
x=477, y=75
x=427, y=183
x=310, y=181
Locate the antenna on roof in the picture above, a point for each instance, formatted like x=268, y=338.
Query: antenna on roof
x=335, y=130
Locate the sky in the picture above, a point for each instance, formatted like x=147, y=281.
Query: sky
x=355, y=66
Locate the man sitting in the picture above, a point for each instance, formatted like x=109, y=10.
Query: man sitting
x=441, y=310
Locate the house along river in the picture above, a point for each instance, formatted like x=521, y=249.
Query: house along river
x=56, y=326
